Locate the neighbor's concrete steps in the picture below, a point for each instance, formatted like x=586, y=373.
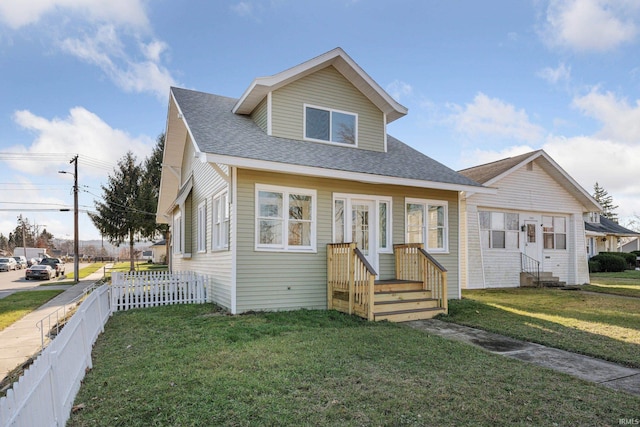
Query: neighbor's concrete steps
x=547, y=280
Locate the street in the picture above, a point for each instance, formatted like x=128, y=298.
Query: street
x=12, y=281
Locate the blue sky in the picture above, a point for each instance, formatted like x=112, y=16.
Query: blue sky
x=482, y=81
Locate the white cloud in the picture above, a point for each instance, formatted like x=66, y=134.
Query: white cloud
x=620, y=121
x=107, y=51
x=555, y=75
x=398, y=89
x=243, y=8
x=19, y=13
x=82, y=133
x=590, y=25
x=493, y=117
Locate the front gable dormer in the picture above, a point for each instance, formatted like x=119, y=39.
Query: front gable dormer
x=328, y=99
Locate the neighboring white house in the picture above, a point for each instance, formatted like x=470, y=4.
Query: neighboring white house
x=534, y=221
x=605, y=235
x=159, y=252
x=262, y=191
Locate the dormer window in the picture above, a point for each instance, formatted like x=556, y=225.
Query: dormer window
x=327, y=125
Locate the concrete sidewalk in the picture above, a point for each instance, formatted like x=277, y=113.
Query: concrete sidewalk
x=21, y=340
x=587, y=368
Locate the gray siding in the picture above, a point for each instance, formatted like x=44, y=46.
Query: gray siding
x=283, y=280
x=326, y=88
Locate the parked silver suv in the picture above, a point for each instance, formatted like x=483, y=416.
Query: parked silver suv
x=21, y=262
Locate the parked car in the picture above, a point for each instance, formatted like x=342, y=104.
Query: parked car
x=40, y=271
x=33, y=261
x=21, y=262
x=7, y=264
x=56, y=263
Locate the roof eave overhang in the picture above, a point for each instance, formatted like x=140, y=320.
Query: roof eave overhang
x=288, y=168
x=261, y=86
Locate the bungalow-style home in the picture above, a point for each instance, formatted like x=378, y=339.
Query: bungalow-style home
x=294, y=196
x=605, y=235
x=531, y=232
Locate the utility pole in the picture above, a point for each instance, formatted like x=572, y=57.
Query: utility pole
x=24, y=244
x=76, y=246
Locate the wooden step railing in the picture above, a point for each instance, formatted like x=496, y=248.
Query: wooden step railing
x=415, y=264
x=350, y=280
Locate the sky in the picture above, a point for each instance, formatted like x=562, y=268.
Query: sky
x=482, y=81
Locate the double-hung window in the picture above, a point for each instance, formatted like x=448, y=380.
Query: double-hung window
x=285, y=218
x=554, y=232
x=499, y=230
x=220, y=221
x=427, y=222
x=177, y=233
x=327, y=125
x=202, y=226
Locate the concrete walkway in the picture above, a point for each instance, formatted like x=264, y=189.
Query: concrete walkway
x=21, y=340
x=587, y=368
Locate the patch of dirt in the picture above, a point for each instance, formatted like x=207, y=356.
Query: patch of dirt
x=499, y=345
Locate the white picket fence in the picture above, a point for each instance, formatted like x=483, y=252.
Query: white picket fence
x=44, y=394
x=151, y=289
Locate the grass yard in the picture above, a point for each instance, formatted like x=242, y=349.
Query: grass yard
x=18, y=305
x=624, y=283
x=189, y=365
x=602, y=326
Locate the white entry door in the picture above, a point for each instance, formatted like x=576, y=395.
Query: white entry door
x=532, y=240
x=363, y=229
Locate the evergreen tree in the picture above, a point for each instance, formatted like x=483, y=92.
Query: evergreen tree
x=606, y=201
x=122, y=215
x=4, y=243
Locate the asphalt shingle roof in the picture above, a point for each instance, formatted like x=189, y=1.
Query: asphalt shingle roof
x=488, y=171
x=608, y=226
x=217, y=130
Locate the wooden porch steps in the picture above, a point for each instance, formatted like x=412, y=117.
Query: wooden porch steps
x=402, y=301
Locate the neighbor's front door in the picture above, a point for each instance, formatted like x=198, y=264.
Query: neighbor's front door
x=531, y=240
x=363, y=229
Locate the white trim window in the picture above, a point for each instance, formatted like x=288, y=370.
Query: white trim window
x=202, y=227
x=554, y=232
x=499, y=230
x=177, y=233
x=220, y=221
x=285, y=219
x=329, y=125
x=426, y=221
x=343, y=227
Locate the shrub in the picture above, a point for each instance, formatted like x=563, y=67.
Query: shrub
x=594, y=266
x=629, y=258
x=610, y=263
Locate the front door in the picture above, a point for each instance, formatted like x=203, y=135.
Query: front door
x=363, y=229
x=531, y=240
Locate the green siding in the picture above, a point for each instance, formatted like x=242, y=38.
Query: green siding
x=284, y=280
x=326, y=88
x=260, y=115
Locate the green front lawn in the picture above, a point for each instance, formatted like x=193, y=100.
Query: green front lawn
x=191, y=365
x=602, y=326
x=18, y=305
x=623, y=283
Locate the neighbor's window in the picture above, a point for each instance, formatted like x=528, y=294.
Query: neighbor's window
x=202, y=226
x=554, y=232
x=285, y=218
x=426, y=222
x=330, y=125
x=220, y=221
x=499, y=230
